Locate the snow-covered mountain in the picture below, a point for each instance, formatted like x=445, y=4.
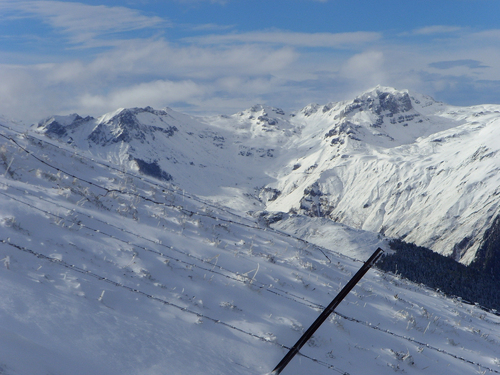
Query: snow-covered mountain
x=403, y=165
x=390, y=162
x=106, y=270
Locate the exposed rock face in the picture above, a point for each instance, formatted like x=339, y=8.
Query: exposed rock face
x=125, y=126
x=380, y=102
x=264, y=119
x=371, y=113
x=60, y=127
x=388, y=161
x=269, y=194
x=311, y=201
x=152, y=169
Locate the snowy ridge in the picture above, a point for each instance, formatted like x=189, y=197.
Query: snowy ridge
x=108, y=271
x=437, y=191
x=429, y=167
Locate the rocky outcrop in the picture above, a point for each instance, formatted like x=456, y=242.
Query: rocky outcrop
x=125, y=126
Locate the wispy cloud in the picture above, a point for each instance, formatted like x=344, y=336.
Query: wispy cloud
x=220, y=2
x=162, y=58
x=436, y=29
x=81, y=23
x=471, y=64
x=366, y=68
x=487, y=35
x=156, y=93
x=332, y=40
x=211, y=27
x=140, y=73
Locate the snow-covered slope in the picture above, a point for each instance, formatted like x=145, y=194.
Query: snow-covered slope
x=388, y=161
x=209, y=157
x=403, y=165
x=107, y=271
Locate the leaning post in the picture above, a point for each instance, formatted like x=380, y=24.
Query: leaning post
x=327, y=311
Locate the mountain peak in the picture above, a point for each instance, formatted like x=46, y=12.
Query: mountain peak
x=59, y=126
x=383, y=116
x=260, y=110
x=262, y=118
x=382, y=100
x=386, y=89
x=122, y=114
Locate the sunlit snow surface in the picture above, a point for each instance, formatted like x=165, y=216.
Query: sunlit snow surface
x=104, y=271
x=388, y=161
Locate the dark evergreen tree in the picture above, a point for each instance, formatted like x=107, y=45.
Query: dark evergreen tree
x=424, y=266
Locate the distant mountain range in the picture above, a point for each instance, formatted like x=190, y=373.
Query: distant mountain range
x=391, y=162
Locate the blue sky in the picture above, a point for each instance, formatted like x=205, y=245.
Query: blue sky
x=222, y=56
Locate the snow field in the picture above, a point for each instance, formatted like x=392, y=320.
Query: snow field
x=106, y=273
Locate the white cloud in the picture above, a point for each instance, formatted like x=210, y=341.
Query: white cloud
x=220, y=2
x=366, y=68
x=220, y=79
x=249, y=86
x=332, y=40
x=160, y=57
x=211, y=27
x=25, y=95
x=157, y=94
x=80, y=22
x=436, y=29
x=140, y=73
x=228, y=72
x=487, y=34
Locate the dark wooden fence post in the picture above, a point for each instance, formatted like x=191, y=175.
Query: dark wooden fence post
x=327, y=311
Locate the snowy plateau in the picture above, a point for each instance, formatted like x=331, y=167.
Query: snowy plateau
x=152, y=242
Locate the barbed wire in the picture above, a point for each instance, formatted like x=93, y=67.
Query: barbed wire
x=237, y=276
x=174, y=190
x=89, y=273
x=267, y=288
x=420, y=343
x=218, y=321
x=189, y=212
x=108, y=191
